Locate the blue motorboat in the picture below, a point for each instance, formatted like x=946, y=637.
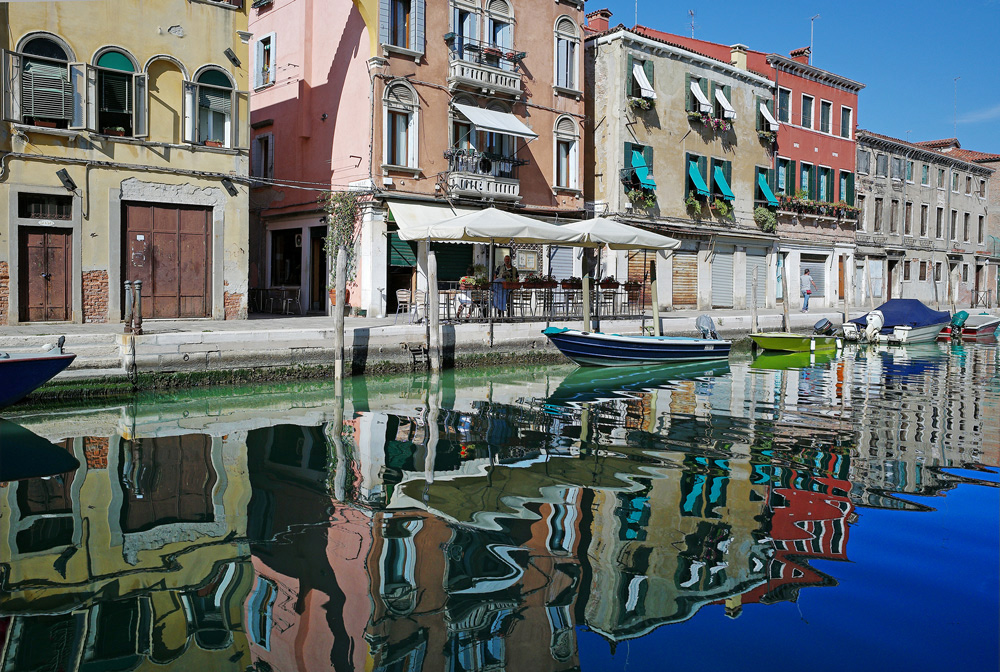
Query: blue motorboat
x=898, y=321
x=599, y=349
x=22, y=373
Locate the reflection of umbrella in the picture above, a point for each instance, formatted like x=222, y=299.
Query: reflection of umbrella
x=24, y=454
x=589, y=383
x=620, y=236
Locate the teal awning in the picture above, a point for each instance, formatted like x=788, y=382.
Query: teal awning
x=766, y=190
x=720, y=182
x=642, y=170
x=699, y=182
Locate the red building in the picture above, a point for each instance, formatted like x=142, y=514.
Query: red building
x=814, y=116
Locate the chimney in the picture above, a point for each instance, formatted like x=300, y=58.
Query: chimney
x=738, y=56
x=598, y=20
x=801, y=55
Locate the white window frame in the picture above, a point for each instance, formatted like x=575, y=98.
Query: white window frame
x=982, y=188
x=869, y=167
x=925, y=182
x=572, y=61
x=812, y=112
x=262, y=78
x=925, y=220
x=258, y=168
x=412, y=127
x=956, y=182
x=574, y=155
x=778, y=106
x=830, y=103
x=239, y=107
x=908, y=167
x=850, y=124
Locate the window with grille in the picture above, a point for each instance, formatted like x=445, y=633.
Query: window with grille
x=44, y=206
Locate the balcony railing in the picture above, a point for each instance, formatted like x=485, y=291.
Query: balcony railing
x=478, y=174
x=481, y=65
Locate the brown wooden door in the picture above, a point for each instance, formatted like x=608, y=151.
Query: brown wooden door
x=888, y=280
x=840, y=278
x=685, y=292
x=45, y=281
x=639, y=262
x=169, y=248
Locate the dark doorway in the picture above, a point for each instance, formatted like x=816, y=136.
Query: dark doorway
x=46, y=257
x=318, y=292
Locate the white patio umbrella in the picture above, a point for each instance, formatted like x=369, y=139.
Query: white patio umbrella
x=618, y=236
x=491, y=224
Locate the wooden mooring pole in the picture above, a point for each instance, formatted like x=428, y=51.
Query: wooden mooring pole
x=340, y=285
x=433, y=314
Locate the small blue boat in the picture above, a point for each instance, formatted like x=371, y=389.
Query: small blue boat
x=599, y=349
x=23, y=372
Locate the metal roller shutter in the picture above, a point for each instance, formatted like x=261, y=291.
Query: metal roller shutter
x=452, y=260
x=685, y=279
x=722, y=276
x=757, y=258
x=401, y=252
x=561, y=262
x=817, y=269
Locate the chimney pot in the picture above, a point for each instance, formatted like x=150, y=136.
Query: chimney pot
x=738, y=56
x=599, y=20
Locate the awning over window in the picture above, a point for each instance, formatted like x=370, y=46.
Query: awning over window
x=640, y=77
x=771, y=121
x=720, y=182
x=497, y=122
x=697, y=179
x=765, y=189
x=642, y=170
x=727, y=107
x=700, y=96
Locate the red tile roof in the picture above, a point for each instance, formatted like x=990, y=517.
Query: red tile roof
x=756, y=60
x=938, y=144
x=973, y=156
x=966, y=155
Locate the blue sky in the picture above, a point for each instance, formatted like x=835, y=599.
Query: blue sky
x=907, y=54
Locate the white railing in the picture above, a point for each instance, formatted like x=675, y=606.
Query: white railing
x=484, y=77
x=472, y=185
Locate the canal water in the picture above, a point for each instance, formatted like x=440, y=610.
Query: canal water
x=788, y=512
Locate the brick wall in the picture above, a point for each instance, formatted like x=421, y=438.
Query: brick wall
x=235, y=307
x=4, y=292
x=95, y=296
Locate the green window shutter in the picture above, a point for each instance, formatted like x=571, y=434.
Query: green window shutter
x=758, y=195
x=401, y=252
x=814, y=173
x=627, y=160
x=756, y=112
x=771, y=178
x=792, y=179
x=647, y=154
x=703, y=168
x=688, y=98
x=850, y=189
x=629, y=79
x=647, y=67
x=727, y=170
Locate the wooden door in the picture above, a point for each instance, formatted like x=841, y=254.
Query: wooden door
x=46, y=257
x=685, y=277
x=840, y=278
x=169, y=248
x=639, y=270
x=888, y=280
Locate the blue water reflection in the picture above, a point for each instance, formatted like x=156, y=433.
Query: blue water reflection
x=548, y=519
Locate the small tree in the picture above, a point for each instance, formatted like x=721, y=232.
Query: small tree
x=342, y=209
x=765, y=219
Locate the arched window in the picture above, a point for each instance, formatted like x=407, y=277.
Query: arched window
x=567, y=41
x=45, y=94
x=121, y=96
x=400, y=121
x=499, y=34
x=567, y=158
x=212, y=110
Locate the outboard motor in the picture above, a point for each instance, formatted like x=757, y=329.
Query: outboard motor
x=824, y=328
x=705, y=324
x=957, y=324
x=876, y=320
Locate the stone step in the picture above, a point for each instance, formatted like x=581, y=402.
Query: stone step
x=96, y=363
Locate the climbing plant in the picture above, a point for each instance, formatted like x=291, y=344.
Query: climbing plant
x=342, y=208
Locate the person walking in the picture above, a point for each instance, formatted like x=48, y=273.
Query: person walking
x=807, y=285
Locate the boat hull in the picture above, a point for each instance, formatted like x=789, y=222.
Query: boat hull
x=976, y=327
x=910, y=335
x=21, y=375
x=783, y=342
x=597, y=349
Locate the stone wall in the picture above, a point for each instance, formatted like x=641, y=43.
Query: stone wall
x=4, y=292
x=95, y=296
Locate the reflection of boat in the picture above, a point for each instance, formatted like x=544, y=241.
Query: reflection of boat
x=982, y=326
x=793, y=360
x=598, y=349
x=24, y=454
x=898, y=321
x=785, y=342
x=23, y=372
x=590, y=384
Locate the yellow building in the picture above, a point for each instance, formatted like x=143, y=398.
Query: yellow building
x=123, y=157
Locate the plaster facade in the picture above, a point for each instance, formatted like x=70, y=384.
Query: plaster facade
x=156, y=158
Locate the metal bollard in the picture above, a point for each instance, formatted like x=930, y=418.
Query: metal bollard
x=128, y=307
x=137, y=319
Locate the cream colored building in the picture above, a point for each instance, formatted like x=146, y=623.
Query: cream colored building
x=123, y=157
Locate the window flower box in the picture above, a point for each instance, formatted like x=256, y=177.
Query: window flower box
x=572, y=283
x=213, y=143
x=116, y=131
x=509, y=284
x=640, y=104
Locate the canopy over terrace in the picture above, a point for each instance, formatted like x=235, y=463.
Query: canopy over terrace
x=618, y=236
x=488, y=226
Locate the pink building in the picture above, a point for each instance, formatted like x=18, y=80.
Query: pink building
x=431, y=109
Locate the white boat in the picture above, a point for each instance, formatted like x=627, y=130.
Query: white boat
x=898, y=322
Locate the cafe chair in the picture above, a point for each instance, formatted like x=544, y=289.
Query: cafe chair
x=403, y=304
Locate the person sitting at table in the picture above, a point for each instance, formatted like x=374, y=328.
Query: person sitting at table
x=463, y=300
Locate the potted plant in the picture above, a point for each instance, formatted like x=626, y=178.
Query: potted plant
x=695, y=116
x=213, y=143
x=640, y=103
x=117, y=131
x=548, y=281
x=347, y=299
x=721, y=207
x=693, y=204
x=641, y=198
x=767, y=136
x=765, y=219
x=609, y=282
x=510, y=284
x=531, y=281
x=572, y=282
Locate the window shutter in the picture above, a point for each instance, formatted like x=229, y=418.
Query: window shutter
x=850, y=189
x=566, y=127
x=647, y=68
x=256, y=157
x=383, y=21
x=727, y=170
x=116, y=92
x=417, y=30
x=791, y=179
x=240, y=121
x=78, y=81
x=813, y=173
x=688, y=98
x=629, y=77
x=140, y=116
x=647, y=155
x=772, y=178
x=756, y=108
x=258, y=64
x=272, y=73
x=269, y=168
x=703, y=168
x=11, y=76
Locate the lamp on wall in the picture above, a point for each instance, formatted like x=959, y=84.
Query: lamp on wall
x=66, y=180
x=230, y=187
x=231, y=55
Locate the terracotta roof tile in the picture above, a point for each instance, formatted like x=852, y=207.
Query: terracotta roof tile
x=937, y=144
x=974, y=156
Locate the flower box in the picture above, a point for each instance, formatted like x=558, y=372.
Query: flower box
x=572, y=285
x=507, y=284
x=610, y=285
x=113, y=132
x=43, y=123
x=213, y=143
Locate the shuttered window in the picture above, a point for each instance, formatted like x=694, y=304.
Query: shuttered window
x=45, y=90
x=402, y=24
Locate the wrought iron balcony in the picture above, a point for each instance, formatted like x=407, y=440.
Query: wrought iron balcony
x=482, y=65
x=475, y=174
